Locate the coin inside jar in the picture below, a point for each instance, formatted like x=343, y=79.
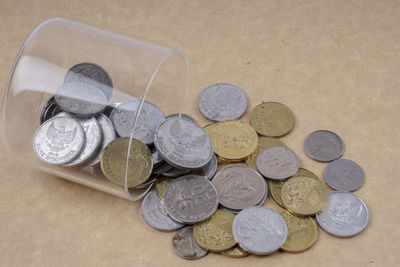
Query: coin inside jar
x=323, y=145
x=277, y=162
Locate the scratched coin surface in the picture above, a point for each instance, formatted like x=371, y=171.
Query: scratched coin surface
x=277, y=162
x=344, y=175
x=239, y=187
x=190, y=199
x=183, y=144
x=324, y=145
x=259, y=230
x=215, y=234
x=302, y=232
x=263, y=142
x=235, y=252
x=58, y=140
x=185, y=245
x=345, y=216
x=272, y=119
x=162, y=184
x=222, y=101
x=232, y=139
x=155, y=214
x=304, y=195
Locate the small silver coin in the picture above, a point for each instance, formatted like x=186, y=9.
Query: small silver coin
x=344, y=175
x=190, y=199
x=157, y=159
x=183, y=115
x=323, y=145
x=346, y=215
x=259, y=230
x=222, y=101
x=123, y=118
x=50, y=109
x=163, y=168
x=183, y=144
x=155, y=214
x=277, y=162
x=211, y=167
x=185, y=245
x=58, y=140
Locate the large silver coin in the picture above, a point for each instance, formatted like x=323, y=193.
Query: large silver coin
x=323, y=145
x=58, y=140
x=123, y=118
x=344, y=175
x=259, y=230
x=222, y=101
x=239, y=187
x=211, y=167
x=155, y=214
x=183, y=144
x=277, y=162
x=185, y=245
x=190, y=199
x=345, y=215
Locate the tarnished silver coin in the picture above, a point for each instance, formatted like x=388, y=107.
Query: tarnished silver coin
x=155, y=214
x=259, y=230
x=123, y=118
x=58, y=140
x=183, y=144
x=190, y=199
x=324, y=145
x=277, y=162
x=183, y=115
x=346, y=215
x=157, y=159
x=185, y=245
x=222, y=101
x=344, y=175
x=211, y=167
x=163, y=168
x=239, y=187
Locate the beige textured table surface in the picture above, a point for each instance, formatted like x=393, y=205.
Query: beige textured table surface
x=334, y=63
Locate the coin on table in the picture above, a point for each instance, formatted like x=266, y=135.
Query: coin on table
x=272, y=119
x=304, y=196
x=185, y=246
x=324, y=145
x=190, y=199
x=346, y=215
x=235, y=252
x=124, y=115
x=215, y=234
x=263, y=142
x=259, y=230
x=302, y=232
x=232, y=139
x=155, y=214
x=344, y=175
x=162, y=184
x=114, y=157
x=58, y=140
x=277, y=162
x=239, y=187
x=183, y=115
x=183, y=144
x=222, y=101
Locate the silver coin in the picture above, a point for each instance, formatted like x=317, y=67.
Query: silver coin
x=183, y=144
x=259, y=230
x=49, y=110
x=323, y=145
x=93, y=137
x=155, y=214
x=346, y=215
x=258, y=204
x=344, y=175
x=185, y=245
x=157, y=159
x=190, y=199
x=80, y=99
x=58, y=140
x=211, y=167
x=222, y=101
x=163, y=168
x=277, y=162
x=183, y=115
x=123, y=118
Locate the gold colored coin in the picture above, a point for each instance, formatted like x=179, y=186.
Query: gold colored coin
x=162, y=184
x=302, y=233
x=113, y=161
x=235, y=252
x=215, y=234
x=304, y=196
x=263, y=142
x=232, y=140
x=222, y=160
x=272, y=119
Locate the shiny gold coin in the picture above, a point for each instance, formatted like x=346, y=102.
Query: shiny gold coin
x=162, y=184
x=232, y=140
x=263, y=142
x=113, y=161
x=272, y=119
x=215, y=234
x=302, y=233
x=235, y=252
x=304, y=195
